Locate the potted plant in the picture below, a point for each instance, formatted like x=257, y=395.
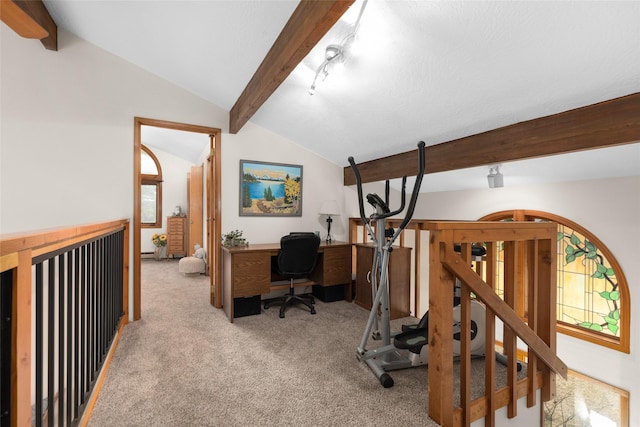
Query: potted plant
x=160, y=242
x=234, y=238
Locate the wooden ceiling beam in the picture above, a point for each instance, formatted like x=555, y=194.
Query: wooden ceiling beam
x=311, y=20
x=30, y=19
x=605, y=124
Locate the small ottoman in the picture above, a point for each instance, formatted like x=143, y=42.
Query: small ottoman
x=191, y=265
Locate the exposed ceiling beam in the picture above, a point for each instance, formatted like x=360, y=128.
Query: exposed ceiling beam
x=308, y=24
x=605, y=124
x=30, y=19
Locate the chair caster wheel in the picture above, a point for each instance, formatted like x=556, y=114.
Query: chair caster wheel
x=313, y=311
x=282, y=315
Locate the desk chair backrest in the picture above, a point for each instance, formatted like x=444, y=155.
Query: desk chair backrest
x=298, y=254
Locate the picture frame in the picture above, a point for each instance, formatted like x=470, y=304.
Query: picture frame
x=270, y=189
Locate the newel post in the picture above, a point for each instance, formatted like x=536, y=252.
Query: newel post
x=21, y=342
x=440, y=372
x=547, y=306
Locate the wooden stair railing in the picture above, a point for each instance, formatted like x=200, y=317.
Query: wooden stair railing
x=80, y=274
x=538, y=242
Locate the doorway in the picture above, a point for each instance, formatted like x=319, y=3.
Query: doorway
x=212, y=168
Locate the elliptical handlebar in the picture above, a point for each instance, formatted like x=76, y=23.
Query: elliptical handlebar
x=356, y=172
x=414, y=193
x=416, y=187
x=402, y=200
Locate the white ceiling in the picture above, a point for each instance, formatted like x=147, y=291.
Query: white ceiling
x=421, y=70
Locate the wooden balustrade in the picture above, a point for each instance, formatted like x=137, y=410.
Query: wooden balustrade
x=529, y=247
x=78, y=280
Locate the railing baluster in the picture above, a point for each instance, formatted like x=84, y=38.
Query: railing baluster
x=510, y=280
x=62, y=285
x=465, y=342
x=532, y=310
x=69, y=358
x=38, y=347
x=86, y=373
x=76, y=335
x=51, y=341
x=490, y=341
x=103, y=301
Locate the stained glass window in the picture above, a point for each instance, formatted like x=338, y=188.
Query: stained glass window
x=592, y=293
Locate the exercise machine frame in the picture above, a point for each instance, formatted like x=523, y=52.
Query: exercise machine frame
x=386, y=357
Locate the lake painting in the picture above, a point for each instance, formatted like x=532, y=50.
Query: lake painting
x=270, y=189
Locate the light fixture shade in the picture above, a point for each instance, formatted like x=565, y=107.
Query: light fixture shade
x=495, y=177
x=329, y=207
x=491, y=178
x=498, y=180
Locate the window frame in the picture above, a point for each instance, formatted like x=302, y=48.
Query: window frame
x=621, y=343
x=149, y=179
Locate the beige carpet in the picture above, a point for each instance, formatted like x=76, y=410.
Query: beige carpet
x=184, y=364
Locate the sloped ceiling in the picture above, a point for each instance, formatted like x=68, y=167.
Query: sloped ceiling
x=432, y=71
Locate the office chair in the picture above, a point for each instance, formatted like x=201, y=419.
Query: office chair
x=296, y=260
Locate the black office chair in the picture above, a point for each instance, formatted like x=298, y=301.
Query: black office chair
x=296, y=260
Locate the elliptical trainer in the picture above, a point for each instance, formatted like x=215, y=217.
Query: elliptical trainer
x=386, y=357
x=412, y=338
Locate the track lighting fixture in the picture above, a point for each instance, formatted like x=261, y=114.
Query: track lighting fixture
x=334, y=53
x=495, y=177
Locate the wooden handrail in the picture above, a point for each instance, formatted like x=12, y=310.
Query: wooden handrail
x=45, y=240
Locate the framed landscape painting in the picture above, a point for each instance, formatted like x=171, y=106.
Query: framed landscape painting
x=270, y=189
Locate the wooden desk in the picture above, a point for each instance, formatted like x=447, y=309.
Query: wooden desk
x=246, y=271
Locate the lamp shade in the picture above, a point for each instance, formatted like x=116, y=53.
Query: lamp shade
x=329, y=207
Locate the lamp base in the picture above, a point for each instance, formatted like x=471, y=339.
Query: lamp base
x=329, y=221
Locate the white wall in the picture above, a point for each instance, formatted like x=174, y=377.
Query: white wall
x=608, y=208
x=67, y=131
x=66, y=142
x=321, y=180
x=174, y=192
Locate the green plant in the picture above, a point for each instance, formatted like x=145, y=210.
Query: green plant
x=234, y=238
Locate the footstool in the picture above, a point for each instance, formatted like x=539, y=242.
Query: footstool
x=191, y=265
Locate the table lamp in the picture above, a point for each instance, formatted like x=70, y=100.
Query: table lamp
x=328, y=208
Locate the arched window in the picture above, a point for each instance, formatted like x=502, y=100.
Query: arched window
x=593, y=295
x=150, y=189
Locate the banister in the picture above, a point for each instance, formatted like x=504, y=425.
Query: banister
x=19, y=252
x=457, y=266
x=16, y=242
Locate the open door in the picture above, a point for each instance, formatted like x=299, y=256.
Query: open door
x=214, y=230
x=195, y=213
x=213, y=209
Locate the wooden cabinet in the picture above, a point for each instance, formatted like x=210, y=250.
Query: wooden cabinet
x=176, y=236
x=399, y=279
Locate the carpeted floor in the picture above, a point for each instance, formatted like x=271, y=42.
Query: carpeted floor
x=184, y=364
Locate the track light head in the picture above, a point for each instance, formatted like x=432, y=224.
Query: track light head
x=495, y=178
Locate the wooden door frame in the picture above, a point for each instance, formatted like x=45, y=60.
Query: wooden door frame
x=214, y=254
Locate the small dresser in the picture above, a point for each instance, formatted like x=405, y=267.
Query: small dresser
x=176, y=236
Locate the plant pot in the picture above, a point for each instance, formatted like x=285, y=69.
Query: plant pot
x=159, y=253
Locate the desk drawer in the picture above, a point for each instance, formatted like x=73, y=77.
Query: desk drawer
x=336, y=266
x=251, y=274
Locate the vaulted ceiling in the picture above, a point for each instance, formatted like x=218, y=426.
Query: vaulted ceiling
x=435, y=71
